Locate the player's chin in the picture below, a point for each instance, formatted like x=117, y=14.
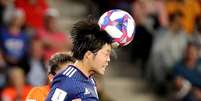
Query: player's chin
x=101, y=71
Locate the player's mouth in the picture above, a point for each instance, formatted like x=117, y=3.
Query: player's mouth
x=105, y=66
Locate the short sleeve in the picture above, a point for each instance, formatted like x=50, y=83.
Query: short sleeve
x=62, y=90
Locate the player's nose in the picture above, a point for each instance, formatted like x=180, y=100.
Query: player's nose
x=108, y=59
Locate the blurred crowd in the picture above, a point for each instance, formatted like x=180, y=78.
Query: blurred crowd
x=166, y=45
x=29, y=35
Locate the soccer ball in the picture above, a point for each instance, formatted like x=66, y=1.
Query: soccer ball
x=119, y=25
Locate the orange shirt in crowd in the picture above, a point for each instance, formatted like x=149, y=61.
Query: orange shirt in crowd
x=38, y=93
x=190, y=10
x=11, y=94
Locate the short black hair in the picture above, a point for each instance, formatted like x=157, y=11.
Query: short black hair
x=87, y=36
x=198, y=23
x=173, y=16
x=194, y=44
x=59, y=58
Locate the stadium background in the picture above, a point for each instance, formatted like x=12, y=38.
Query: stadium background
x=141, y=71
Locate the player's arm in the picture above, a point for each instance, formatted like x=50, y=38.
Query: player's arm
x=81, y=95
x=63, y=90
x=57, y=94
x=60, y=90
x=61, y=93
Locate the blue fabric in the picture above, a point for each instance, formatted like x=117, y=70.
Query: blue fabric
x=74, y=85
x=13, y=46
x=192, y=75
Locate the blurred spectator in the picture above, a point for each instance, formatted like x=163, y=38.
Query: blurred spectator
x=141, y=46
x=7, y=8
x=149, y=16
x=189, y=8
x=167, y=49
x=103, y=5
x=151, y=13
x=14, y=42
x=2, y=9
x=197, y=33
x=8, y=11
x=37, y=72
x=17, y=90
x=53, y=40
x=187, y=76
x=57, y=63
x=2, y=71
x=34, y=11
x=124, y=5
x=2, y=61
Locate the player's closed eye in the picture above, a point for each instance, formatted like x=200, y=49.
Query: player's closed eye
x=104, y=54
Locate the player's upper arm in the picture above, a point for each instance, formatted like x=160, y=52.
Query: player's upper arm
x=59, y=95
x=61, y=91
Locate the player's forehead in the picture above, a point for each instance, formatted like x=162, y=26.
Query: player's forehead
x=106, y=48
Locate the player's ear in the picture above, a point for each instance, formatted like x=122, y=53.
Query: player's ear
x=88, y=55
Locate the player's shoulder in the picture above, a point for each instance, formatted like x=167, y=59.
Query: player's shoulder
x=69, y=88
x=66, y=83
x=68, y=72
x=67, y=93
x=69, y=77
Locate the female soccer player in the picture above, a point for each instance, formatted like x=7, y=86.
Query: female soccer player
x=91, y=49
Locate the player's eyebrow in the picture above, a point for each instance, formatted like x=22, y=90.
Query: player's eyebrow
x=108, y=50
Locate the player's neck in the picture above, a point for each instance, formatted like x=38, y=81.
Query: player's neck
x=83, y=68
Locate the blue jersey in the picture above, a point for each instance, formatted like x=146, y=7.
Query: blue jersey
x=13, y=46
x=72, y=84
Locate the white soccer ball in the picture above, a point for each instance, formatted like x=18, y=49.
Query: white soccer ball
x=119, y=25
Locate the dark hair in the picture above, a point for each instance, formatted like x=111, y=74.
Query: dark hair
x=198, y=23
x=194, y=44
x=174, y=15
x=87, y=36
x=59, y=58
